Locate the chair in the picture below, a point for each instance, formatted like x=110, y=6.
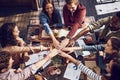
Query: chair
x=58, y=1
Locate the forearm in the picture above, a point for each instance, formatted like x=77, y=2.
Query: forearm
x=42, y=62
x=93, y=48
x=74, y=29
x=89, y=72
x=39, y=48
x=84, y=31
x=24, y=74
x=22, y=49
x=52, y=36
x=47, y=28
x=72, y=48
x=76, y=62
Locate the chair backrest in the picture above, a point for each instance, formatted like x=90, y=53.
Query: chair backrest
x=34, y=21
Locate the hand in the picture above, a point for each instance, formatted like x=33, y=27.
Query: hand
x=71, y=42
x=56, y=44
x=64, y=42
x=69, y=58
x=18, y=70
x=44, y=48
x=53, y=53
x=20, y=41
x=68, y=50
x=89, y=38
x=83, y=25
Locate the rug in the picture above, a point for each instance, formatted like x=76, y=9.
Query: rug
x=107, y=8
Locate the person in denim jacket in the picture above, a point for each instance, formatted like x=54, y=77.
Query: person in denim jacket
x=50, y=16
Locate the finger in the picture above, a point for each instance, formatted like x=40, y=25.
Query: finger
x=69, y=44
x=70, y=52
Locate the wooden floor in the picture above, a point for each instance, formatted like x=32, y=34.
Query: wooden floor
x=21, y=15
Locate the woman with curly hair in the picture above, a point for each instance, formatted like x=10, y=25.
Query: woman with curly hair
x=104, y=52
x=11, y=42
x=112, y=67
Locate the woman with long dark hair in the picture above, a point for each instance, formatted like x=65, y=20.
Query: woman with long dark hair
x=112, y=64
x=104, y=52
x=11, y=42
x=50, y=16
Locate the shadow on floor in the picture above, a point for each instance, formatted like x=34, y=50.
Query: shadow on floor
x=8, y=11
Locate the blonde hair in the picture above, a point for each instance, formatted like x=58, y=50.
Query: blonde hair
x=72, y=1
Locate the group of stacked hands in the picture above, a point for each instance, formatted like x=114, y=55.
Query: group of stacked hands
x=14, y=48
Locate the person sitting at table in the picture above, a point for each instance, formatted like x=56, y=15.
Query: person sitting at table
x=113, y=68
x=111, y=28
x=74, y=14
x=109, y=50
x=8, y=73
x=11, y=42
x=50, y=17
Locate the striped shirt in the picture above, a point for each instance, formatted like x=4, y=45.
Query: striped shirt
x=89, y=72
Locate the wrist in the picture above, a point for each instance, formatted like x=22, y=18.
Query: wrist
x=74, y=39
x=69, y=37
x=77, y=63
x=31, y=49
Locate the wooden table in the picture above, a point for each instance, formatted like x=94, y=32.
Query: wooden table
x=62, y=67
x=40, y=37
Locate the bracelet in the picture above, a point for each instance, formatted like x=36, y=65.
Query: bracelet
x=41, y=48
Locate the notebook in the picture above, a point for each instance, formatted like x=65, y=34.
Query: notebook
x=36, y=57
x=72, y=72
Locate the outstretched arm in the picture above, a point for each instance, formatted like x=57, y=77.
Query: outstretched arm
x=83, y=32
x=82, y=67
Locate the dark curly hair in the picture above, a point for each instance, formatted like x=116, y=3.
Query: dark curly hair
x=4, y=59
x=115, y=43
x=6, y=34
x=115, y=70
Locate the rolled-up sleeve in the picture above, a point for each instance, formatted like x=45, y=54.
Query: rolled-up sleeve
x=44, y=22
x=89, y=72
x=99, y=23
x=47, y=28
x=17, y=49
x=93, y=48
x=27, y=72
